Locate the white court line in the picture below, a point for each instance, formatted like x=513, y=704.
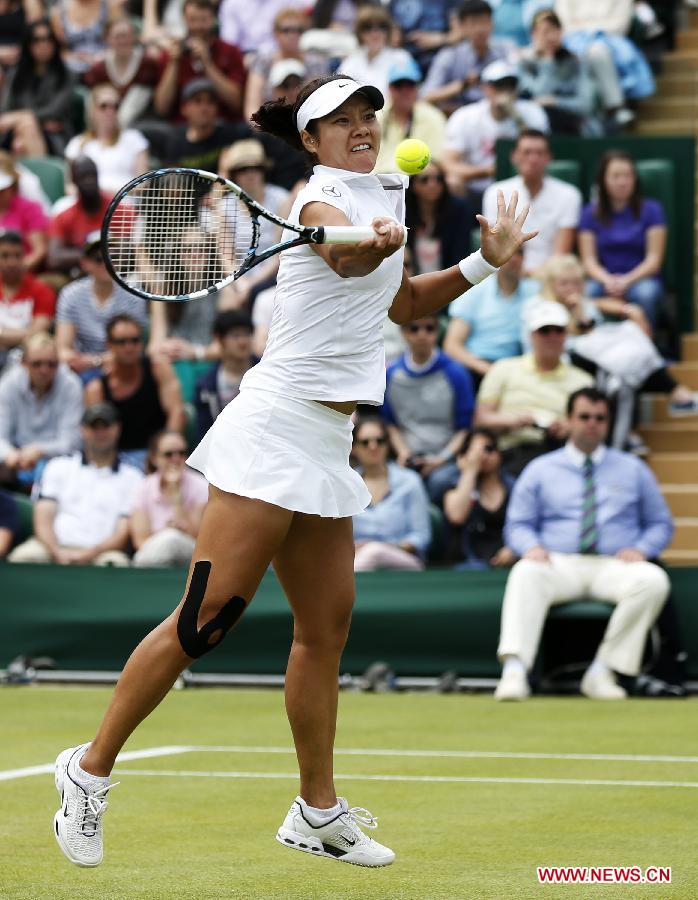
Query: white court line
x=10, y=774
x=435, y=779
x=174, y=749
x=455, y=754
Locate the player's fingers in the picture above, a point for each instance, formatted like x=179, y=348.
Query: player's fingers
x=521, y=218
x=528, y=236
x=485, y=226
x=513, y=203
x=501, y=206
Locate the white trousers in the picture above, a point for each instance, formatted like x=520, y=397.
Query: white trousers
x=638, y=590
x=603, y=69
x=169, y=547
x=35, y=551
x=375, y=555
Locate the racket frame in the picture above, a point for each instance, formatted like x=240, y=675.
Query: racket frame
x=307, y=234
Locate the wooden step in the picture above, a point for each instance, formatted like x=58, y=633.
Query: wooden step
x=665, y=127
x=669, y=437
x=686, y=373
x=675, y=468
x=682, y=498
x=658, y=107
x=680, y=557
x=676, y=84
x=654, y=408
x=689, y=348
x=687, y=40
x=679, y=61
x=685, y=534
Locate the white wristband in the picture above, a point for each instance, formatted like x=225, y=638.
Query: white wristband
x=475, y=268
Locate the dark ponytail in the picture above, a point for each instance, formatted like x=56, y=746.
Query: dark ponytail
x=278, y=117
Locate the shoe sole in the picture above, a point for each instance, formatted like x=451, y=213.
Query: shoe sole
x=61, y=768
x=295, y=841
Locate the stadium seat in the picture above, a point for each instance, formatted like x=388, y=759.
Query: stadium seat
x=437, y=547
x=25, y=510
x=658, y=180
x=568, y=170
x=51, y=173
x=188, y=372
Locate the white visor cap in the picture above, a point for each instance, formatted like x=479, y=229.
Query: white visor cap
x=327, y=98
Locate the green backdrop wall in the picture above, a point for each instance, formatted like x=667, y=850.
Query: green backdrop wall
x=421, y=623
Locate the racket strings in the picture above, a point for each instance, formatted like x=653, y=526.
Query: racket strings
x=178, y=233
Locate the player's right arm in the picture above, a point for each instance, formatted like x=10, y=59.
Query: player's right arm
x=352, y=260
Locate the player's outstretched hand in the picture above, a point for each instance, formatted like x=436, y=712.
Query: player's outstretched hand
x=501, y=240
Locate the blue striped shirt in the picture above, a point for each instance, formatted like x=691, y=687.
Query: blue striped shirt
x=77, y=304
x=546, y=504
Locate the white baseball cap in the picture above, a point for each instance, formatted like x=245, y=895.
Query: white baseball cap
x=499, y=70
x=547, y=312
x=281, y=70
x=332, y=94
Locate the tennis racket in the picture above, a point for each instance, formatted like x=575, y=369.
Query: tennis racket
x=181, y=234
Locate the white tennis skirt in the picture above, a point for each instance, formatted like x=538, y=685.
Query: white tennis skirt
x=289, y=452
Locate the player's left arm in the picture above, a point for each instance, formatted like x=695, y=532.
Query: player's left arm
x=422, y=295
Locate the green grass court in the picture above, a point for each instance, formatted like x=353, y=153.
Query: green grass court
x=194, y=825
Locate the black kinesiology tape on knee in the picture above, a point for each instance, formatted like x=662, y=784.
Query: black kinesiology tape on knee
x=196, y=642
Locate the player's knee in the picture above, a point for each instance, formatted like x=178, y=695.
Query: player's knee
x=196, y=641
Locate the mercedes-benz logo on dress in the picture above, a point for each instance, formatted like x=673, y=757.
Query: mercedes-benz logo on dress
x=331, y=190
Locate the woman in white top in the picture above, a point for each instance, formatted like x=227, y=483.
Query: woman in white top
x=119, y=154
x=374, y=58
x=277, y=462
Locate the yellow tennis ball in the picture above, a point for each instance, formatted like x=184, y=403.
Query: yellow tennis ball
x=412, y=156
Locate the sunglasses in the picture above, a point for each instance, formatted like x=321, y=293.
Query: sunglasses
x=425, y=179
x=170, y=454
x=364, y=442
x=42, y=39
x=551, y=329
x=596, y=417
x=106, y=104
x=122, y=342
x=414, y=329
x=375, y=26
x=402, y=84
x=43, y=363
x=291, y=29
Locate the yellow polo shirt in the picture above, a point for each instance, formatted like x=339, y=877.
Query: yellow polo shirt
x=516, y=385
x=428, y=125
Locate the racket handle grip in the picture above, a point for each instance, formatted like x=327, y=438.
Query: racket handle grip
x=350, y=234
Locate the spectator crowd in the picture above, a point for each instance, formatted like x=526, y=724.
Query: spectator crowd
x=486, y=405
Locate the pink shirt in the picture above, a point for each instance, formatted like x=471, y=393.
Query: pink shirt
x=24, y=216
x=159, y=509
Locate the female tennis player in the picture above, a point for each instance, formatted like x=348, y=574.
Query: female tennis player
x=277, y=460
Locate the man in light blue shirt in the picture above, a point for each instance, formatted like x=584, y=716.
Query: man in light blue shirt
x=485, y=323
x=586, y=520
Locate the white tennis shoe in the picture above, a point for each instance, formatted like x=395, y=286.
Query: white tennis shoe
x=78, y=823
x=341, y=838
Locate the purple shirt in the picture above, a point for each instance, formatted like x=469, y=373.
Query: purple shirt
x=621, y=244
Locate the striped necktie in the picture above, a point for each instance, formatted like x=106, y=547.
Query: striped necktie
x=589, y=536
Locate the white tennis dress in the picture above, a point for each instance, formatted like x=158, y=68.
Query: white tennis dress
x=274, y=442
